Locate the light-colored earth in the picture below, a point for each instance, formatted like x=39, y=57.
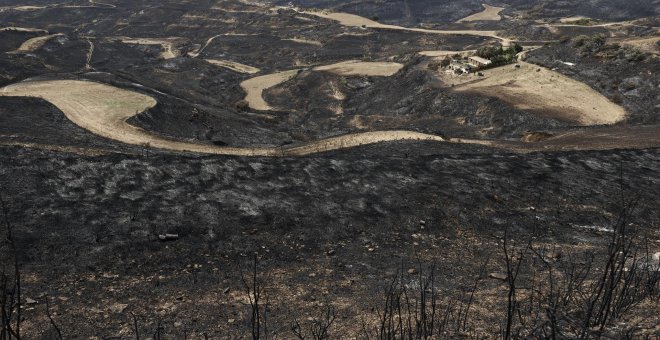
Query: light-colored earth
x=85, y=151
x=196, y=53
x=23, y=29
x=647, y=44
x=541, y=90
x=572, y=19
x=234, y=66
x=490, y=13
x=90, y=54
x=94, y=4
x=353, y=20
x=28, y=8
x=361, y=68
x=34, y=44
x=444, y=53
x=169, y=51
x=104, y=110
x=254, y=87
x=306, y=41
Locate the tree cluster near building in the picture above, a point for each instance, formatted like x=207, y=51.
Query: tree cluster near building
x=499, y=55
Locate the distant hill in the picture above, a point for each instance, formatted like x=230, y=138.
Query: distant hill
x=430, y=11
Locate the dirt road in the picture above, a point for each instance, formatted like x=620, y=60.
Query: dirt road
x=104, y=110
x=254, y=87
x=360, y=68
x=490, y=13
x=234, y=66
x=34, y=44
x=353, y=20
x=169, y=51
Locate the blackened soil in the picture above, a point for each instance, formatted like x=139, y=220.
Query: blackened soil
x=87, y=228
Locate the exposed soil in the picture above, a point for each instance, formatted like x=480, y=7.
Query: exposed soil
x=254, y=87
x=538, y=89
x=234, y=66
x=353, y=20
x=490, y=13
x=169, y=51
x=35, y=43
x=359, y=68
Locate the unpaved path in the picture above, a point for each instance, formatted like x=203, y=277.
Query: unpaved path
x=104, y=110
x=94, y=4
x=538, y=89
x=102, y=4
x=444, y=53
x=234, y=66
x=254, y=87
x=646, y=44
x=490, y=13
x=28, y=8
x=361, y=68
x=605, y=138
x=353, y=20
x=572, y=19
x=169, y=51
x=306, y=41
x=196, y=54
x=34, y=44
x=23, y=29
x=90, y=54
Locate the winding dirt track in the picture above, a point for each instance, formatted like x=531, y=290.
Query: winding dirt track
x=169, y=52
x=23, y=29
x=234, y=66
x=34, y=44
x=104, y=110
x=353, y=20
x=490, y=13
x=254, y=87
x=362, y=68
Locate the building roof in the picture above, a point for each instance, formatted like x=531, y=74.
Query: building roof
x=480, y=60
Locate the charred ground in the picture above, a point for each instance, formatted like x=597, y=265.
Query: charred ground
x=330, y=229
